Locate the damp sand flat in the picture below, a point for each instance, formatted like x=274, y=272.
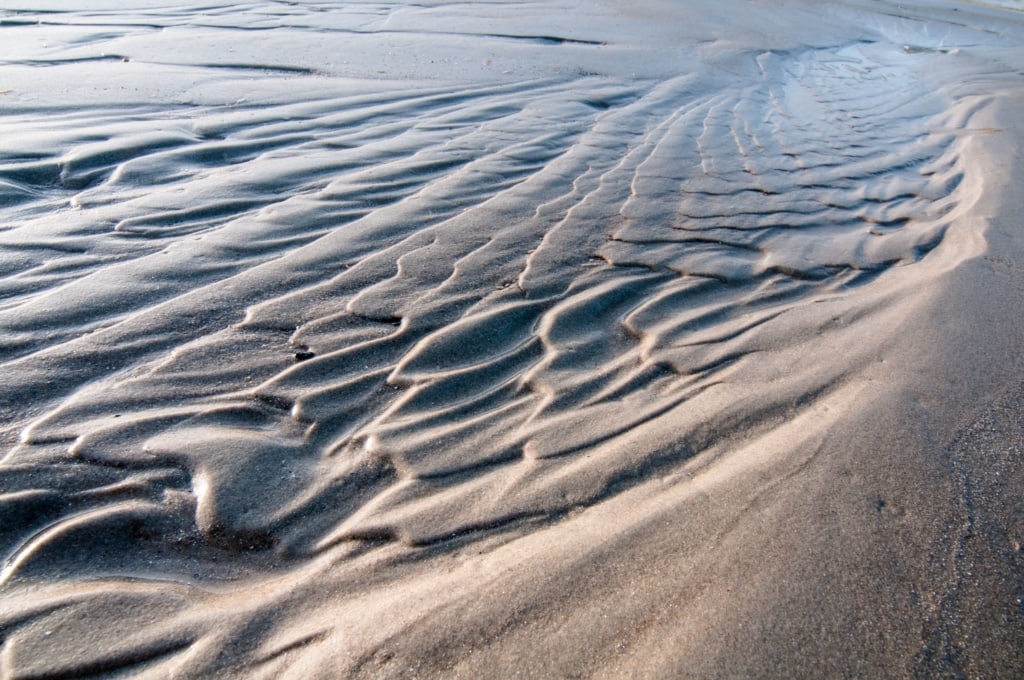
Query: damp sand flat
x=584, y=339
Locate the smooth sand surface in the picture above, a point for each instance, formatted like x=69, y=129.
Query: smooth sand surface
x=662, y=338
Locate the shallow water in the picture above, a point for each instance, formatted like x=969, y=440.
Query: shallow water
x=289, y=285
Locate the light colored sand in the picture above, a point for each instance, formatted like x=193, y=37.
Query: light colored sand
x=679, y=339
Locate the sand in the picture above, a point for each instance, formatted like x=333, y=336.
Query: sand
x=658, y=339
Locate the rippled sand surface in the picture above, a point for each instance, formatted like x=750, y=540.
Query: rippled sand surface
x=498, y=339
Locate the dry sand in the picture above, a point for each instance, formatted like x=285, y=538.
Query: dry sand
x=661, y=338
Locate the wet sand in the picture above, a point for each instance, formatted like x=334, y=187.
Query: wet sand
x=584, y=339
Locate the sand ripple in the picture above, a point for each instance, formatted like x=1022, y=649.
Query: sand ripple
x=250, y=330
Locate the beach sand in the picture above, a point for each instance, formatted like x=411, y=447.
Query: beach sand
x=660, y=339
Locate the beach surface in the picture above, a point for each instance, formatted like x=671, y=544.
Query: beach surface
x=492, y=339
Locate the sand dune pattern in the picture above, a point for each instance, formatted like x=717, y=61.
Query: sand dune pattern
x=267, y=335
